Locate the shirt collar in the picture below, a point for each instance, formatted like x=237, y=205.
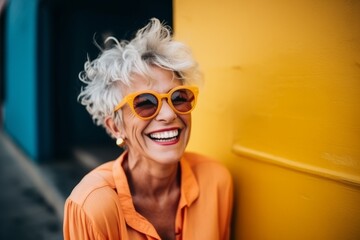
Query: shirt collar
x=189, y=193
x=189, y=185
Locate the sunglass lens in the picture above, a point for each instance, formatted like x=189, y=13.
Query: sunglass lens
x=183, y=100
x=145, y=105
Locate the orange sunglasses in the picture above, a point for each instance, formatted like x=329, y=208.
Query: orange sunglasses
x=147, y=104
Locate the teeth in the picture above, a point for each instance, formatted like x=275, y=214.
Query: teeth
x=165, y=135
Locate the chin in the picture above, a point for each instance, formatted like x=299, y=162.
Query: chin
x=167, y=157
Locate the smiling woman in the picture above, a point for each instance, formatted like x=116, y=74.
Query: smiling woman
x=142, y=91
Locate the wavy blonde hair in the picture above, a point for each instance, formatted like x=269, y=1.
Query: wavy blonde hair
x=114, y=67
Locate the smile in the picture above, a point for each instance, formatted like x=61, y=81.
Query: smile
x=165, y=136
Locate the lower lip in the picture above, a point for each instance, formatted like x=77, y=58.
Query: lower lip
x=167, y=143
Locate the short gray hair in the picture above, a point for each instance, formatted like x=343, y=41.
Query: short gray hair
x=152, y=45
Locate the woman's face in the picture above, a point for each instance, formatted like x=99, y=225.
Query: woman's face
x=163, y=138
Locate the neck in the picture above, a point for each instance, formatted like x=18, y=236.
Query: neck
x=151, y=179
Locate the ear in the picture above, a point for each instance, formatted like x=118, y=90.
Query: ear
x=112, y=127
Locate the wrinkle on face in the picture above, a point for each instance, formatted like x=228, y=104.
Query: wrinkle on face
x=141, y=147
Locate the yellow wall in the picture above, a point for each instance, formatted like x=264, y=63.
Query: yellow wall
x=280, y=107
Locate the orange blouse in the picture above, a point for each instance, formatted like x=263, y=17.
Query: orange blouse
x=100, y=206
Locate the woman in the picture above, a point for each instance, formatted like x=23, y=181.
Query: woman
x=142, y=92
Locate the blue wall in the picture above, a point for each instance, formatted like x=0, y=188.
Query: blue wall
x=46, y=44
x=20, y=118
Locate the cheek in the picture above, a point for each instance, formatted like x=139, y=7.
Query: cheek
x=133, y=127
x=186, y=120
x=128, y=113
x=129, y=123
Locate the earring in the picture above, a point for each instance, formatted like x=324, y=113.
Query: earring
x=120, y=142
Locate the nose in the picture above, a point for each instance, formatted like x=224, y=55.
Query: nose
x=166, y=113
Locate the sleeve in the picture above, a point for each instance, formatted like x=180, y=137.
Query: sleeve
x=77, y=225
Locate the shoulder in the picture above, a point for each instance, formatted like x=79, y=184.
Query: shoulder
x=97, y=182
x=96, y=198
x=199, y=163
x=207, y=168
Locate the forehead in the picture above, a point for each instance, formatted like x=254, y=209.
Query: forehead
x=159, y=80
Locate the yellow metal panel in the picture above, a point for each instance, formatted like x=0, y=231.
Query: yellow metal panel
x=280, y=107
x=276, y=203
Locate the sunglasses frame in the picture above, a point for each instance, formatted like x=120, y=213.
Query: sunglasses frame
x=129, y=99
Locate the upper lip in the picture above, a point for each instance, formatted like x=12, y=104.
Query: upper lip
x=164, y=130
